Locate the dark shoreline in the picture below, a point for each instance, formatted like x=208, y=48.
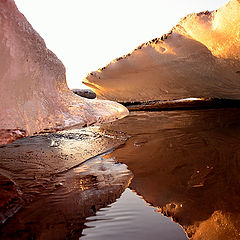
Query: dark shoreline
x=183, y=104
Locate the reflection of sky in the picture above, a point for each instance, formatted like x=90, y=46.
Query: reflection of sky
x=131, y=218
x=86, y=35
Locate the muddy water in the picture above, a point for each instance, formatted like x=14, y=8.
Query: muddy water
x=170, y=172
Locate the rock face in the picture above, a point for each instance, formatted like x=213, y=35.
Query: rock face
x=10, y=135
x=33, y=94
x=199, y=57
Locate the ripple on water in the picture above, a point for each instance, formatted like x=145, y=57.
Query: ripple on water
x=80, y=192
x=186, y=163
x=130, y=217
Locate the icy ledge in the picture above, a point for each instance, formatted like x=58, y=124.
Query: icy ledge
x=34, y=96
x=198, y=58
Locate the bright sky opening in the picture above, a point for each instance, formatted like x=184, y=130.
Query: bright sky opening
x=87, y=35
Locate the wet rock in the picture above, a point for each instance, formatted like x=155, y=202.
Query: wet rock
x=10, y=135
x=86, y=93
x=37, y=165
x=60, y=210
x=11, y=200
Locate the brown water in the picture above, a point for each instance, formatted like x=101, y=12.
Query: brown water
x=187, y=163
x=181, y=164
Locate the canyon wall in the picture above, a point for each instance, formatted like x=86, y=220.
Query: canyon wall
x=199, y=58
x=34, y=96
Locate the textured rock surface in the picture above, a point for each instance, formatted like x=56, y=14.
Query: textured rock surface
x=33, y=94
x=87, y=93
x=11, y=200
x=198, y=58
x=10, y=135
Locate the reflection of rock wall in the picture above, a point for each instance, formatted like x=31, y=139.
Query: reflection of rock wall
x=187, y=163
x=50, y=175
x=198, y=58
x=34, y=95
x=61, y=213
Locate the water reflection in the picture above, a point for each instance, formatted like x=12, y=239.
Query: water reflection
x=61, y=214
x=48, y=188
x=187, y=163
x=131, y=218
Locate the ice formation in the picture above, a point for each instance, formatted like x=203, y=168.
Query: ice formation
x=34, y=95
x=198, y=58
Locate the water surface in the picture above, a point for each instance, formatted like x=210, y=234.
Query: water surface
x=187, y=163
x=130, y=217
x=183, y=169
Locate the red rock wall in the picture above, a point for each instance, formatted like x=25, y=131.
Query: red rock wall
x=33, y=92
x=198, y=58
